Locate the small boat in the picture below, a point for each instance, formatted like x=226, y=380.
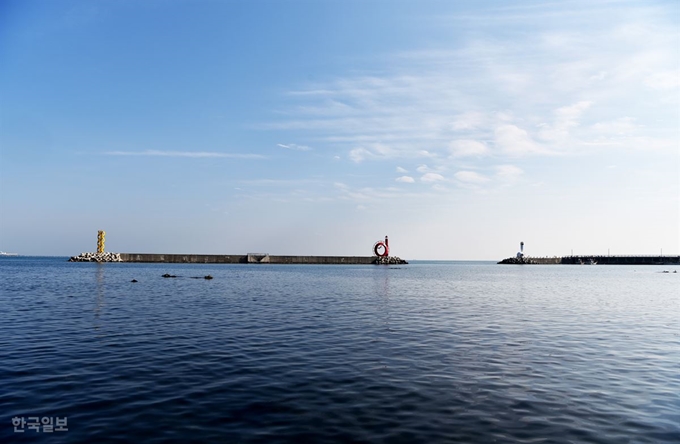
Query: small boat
x=2, y=253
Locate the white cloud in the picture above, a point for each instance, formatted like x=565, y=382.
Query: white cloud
x=599, y=76
x=568, y=115
x=439, y=187
x=508, y=173
x=618, y=127
x=464, y=148
x=663, y=80
x=566, y=119
x=405, y=179
x=515, y=141
x=359, y=154
x=626, y=133
x=372, y=151
x=432, y=177
x=425, y=153
x=382, y=150
x=194, y=154
x=471, y=177
x=468, y=121
x=294, y=147
x=401, y=170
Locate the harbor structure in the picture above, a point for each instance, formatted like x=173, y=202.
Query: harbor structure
x=380, y=248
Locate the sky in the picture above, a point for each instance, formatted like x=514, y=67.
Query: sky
x=459, y=129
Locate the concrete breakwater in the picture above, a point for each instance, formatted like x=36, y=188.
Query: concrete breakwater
x=252, y=258
x=595, y=260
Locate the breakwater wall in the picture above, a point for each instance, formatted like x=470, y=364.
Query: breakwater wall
x=248, y=259
x=596, y=260
x=185, y=258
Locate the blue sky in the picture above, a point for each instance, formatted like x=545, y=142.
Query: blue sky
x=459, y=129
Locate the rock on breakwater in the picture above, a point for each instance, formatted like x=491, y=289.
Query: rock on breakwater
x=389, y=260
x=518, y=260
x=96, y=257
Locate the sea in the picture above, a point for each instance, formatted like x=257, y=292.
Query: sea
x=427, y=352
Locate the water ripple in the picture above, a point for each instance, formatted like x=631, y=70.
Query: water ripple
x=436, y=352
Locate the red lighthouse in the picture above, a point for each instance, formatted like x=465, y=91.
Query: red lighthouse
x=381, y=248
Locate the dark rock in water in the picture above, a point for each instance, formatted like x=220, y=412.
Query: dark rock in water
x=166, y=275
x=134, y=280
x=208, y=277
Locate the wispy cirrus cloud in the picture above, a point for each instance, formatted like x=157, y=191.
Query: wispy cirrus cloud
x=431, y=97
x=279, y=182
x=371, y=151
x=377, y=194
x=190, y=154
x=477, y=112
x=294, y=147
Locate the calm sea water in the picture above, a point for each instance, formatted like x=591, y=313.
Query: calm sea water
x=419, y=353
